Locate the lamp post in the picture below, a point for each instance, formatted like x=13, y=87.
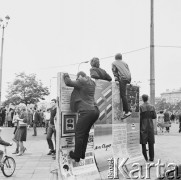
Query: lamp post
x=82, y=63
x=3, y=25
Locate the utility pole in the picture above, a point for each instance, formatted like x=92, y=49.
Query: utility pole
x=152, y=57
x=3, y=25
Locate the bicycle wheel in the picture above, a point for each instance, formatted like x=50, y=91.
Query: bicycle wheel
x=8, y=167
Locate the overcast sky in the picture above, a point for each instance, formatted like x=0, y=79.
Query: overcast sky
x=43, y=36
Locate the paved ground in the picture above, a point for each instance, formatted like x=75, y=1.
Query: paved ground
x=36, y=165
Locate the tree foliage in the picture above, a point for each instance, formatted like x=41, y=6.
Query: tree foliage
x=162, y=105
x=26, y=89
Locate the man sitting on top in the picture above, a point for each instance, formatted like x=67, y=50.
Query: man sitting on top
x=96, y=72
x=123, y=76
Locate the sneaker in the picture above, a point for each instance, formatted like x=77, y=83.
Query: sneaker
x=126, y=115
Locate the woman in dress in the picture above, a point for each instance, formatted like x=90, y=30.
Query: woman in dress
x=15, y=122
x=21, y=132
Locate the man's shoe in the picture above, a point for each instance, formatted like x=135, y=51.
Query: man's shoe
x=51, y=152
x=34, y=135
x=151, y=160
x=126, y=115
x=72, y=156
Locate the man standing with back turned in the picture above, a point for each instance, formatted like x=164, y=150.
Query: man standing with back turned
x=122, y=75
x=147, y=114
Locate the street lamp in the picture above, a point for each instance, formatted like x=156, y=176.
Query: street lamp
x=3, y=25
x=82, y=63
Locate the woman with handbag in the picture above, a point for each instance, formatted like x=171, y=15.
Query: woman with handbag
x=21, y=132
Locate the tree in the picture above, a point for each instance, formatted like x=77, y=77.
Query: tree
x=26, y=89
x=162, y=105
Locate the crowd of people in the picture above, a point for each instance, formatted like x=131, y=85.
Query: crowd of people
x=7, y=116
x=82, y=101
x=22, y=118
x=165, y=118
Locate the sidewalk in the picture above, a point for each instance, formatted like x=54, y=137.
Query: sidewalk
x=34, y=164
x=167, y=148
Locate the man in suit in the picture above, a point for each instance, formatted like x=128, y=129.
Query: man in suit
x=82, y=101
x=36, y=119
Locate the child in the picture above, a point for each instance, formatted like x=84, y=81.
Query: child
x=2, y=142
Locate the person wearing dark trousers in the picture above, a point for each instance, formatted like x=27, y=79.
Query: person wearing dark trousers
x=123, y=76
x=51, y=129
x=147, y=114
x=167, y=120
x=3, y=115
x=36, y=120
x=82, y=101
x=179, y=123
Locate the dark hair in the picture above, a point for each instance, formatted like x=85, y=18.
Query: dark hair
x=54, y=100
x=66, y=167
x=94, y=62
x=145, y=97
x=83, y=74
x=118, y=56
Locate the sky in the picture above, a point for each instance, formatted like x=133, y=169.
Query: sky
x=46, y=37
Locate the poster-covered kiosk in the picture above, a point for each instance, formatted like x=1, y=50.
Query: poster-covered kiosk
x=111, y=139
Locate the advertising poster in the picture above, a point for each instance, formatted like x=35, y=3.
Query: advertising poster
x=119, y=140
x=65, y=93
x=103, y=145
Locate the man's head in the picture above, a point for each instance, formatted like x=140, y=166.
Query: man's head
x=95, y=62
x=53, y=102
x=145, y=97
x=118, y=56
x=81, y=75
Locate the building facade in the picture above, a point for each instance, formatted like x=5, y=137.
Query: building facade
x=172, y=97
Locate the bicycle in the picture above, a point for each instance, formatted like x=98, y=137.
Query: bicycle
x=7, y=164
